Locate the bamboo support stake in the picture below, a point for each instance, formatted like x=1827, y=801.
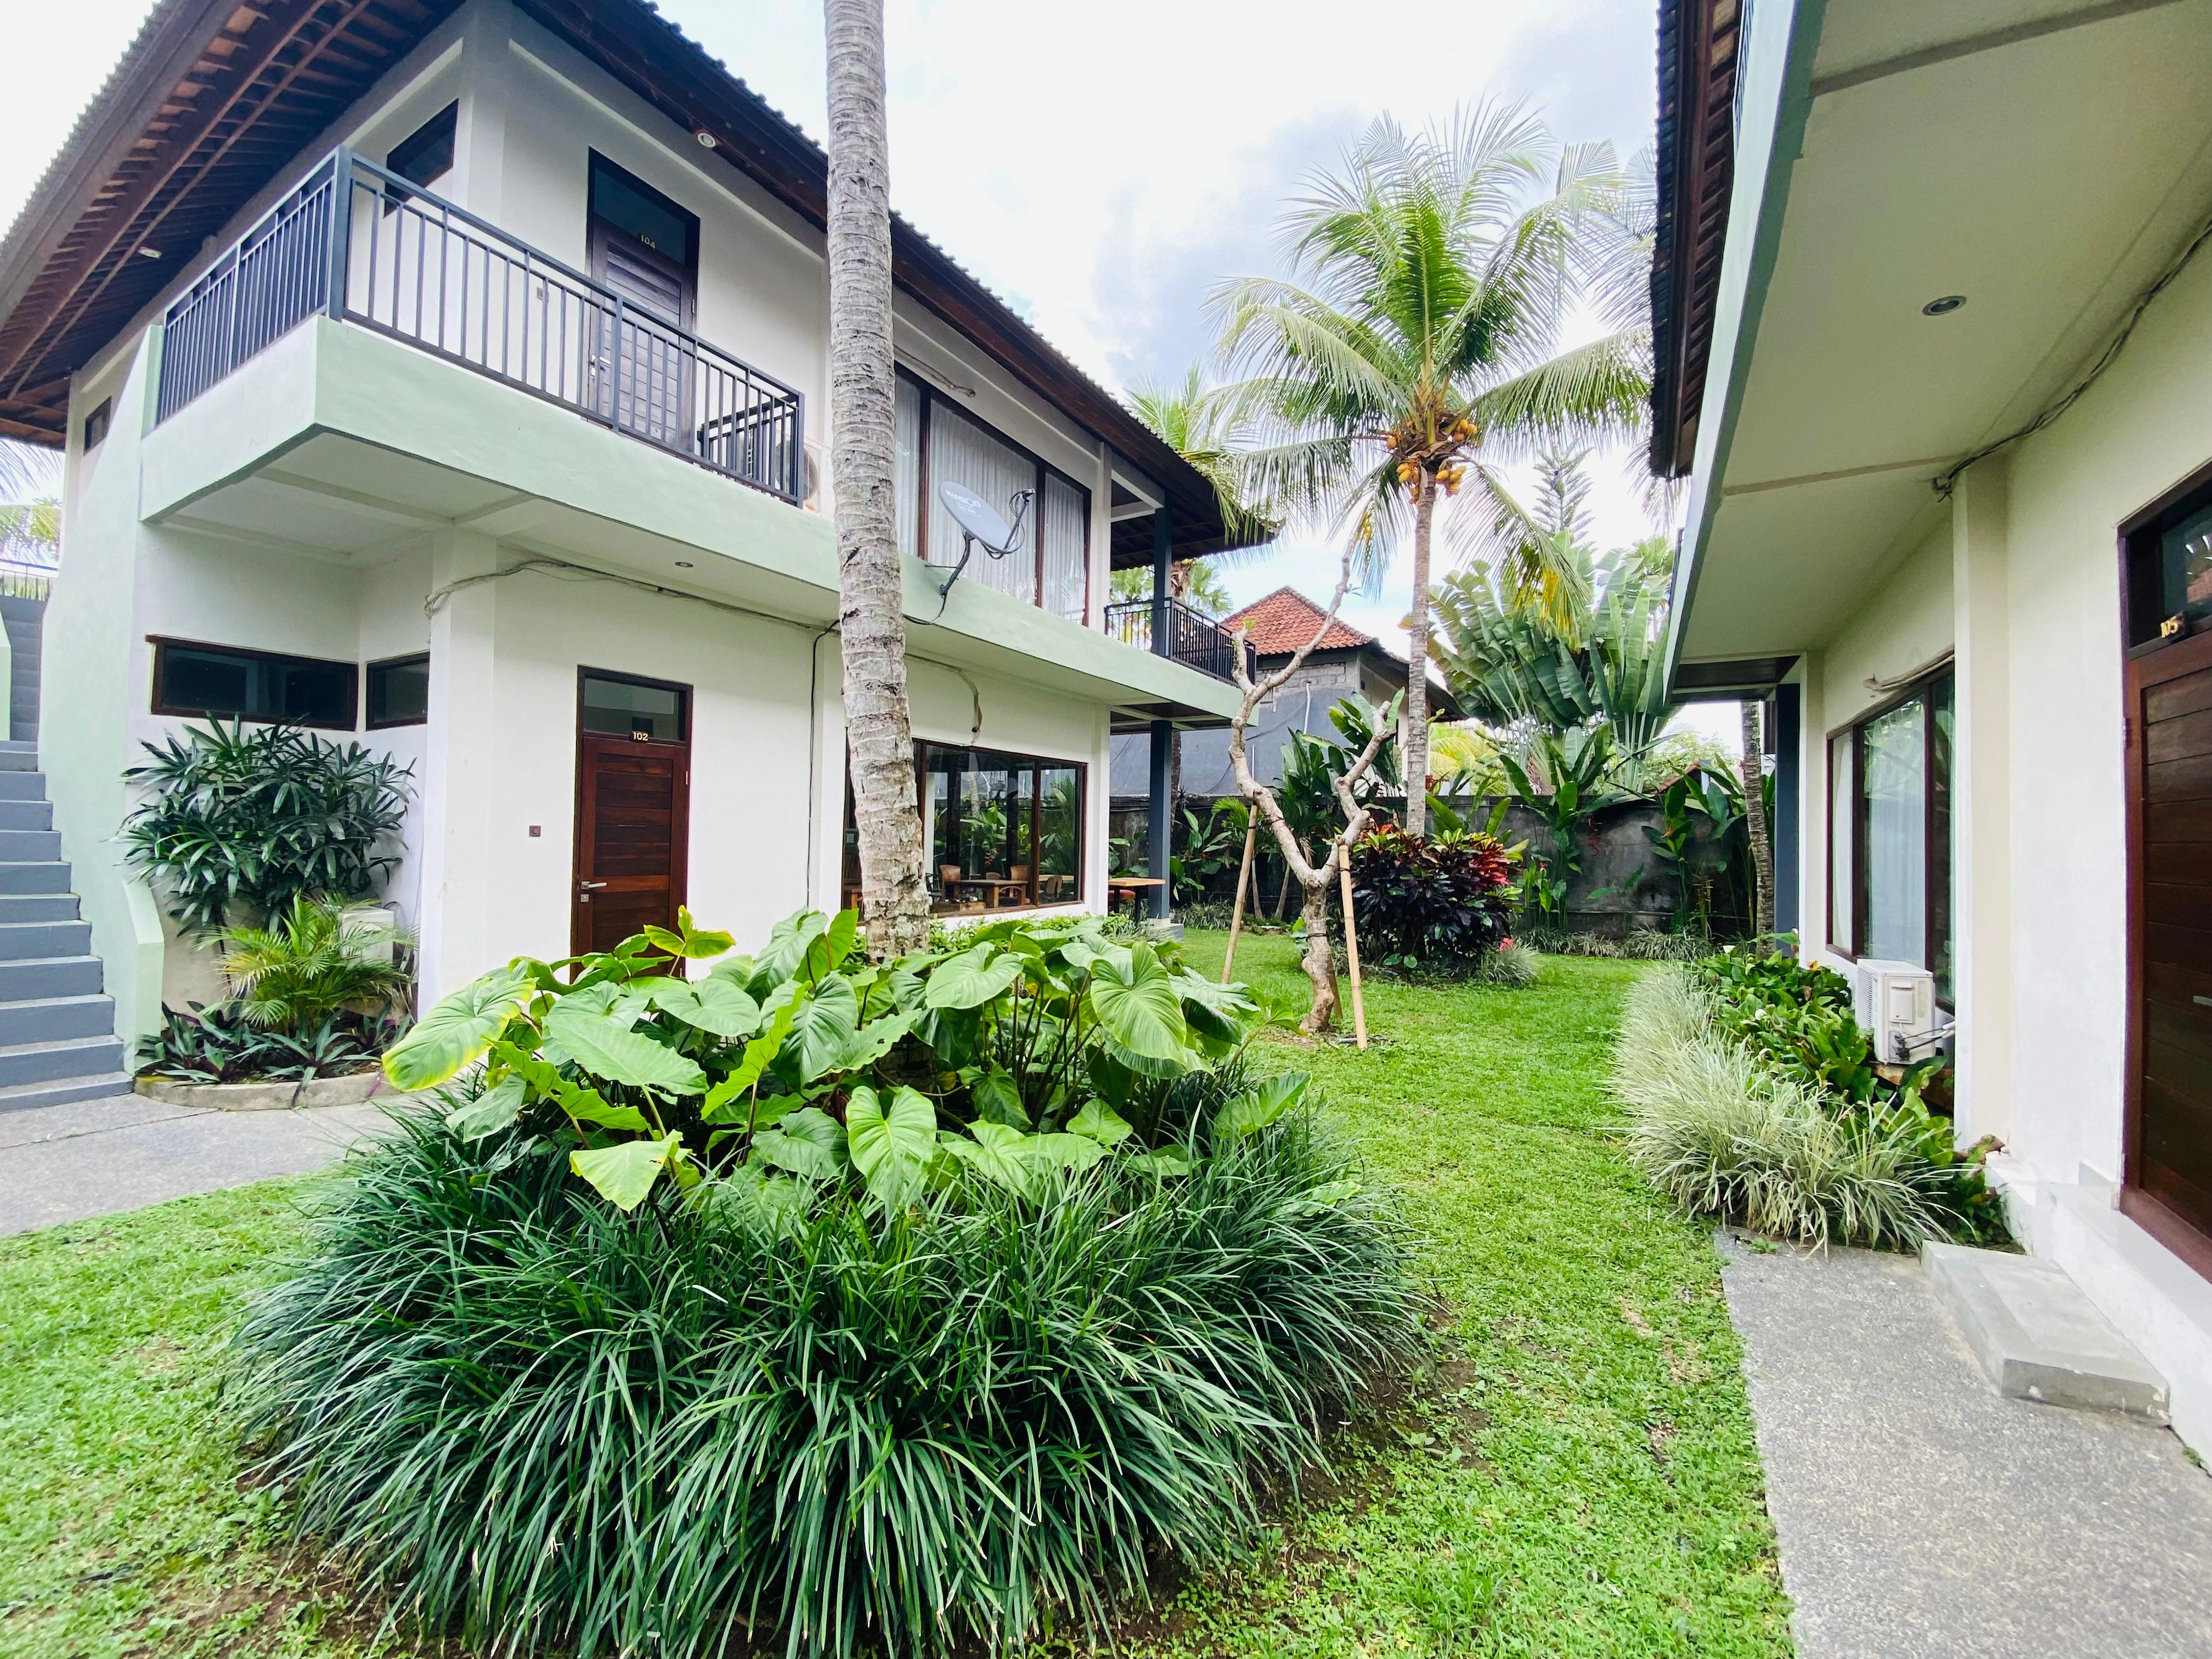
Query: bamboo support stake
x=1237, y=912
x=1351, y=954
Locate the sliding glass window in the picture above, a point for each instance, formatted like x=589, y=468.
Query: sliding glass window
x=1005, y=831
x=938, y=443
x=1889, y=864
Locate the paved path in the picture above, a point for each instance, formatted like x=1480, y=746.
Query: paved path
x=1922, y=1513
x=97, y=1156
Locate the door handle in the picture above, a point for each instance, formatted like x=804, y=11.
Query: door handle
x=590, y=886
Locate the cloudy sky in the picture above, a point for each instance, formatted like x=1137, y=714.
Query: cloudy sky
x=1101, y=167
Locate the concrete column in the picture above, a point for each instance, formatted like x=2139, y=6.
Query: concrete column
x=480, y=141
x=460, y=773
x=1788, y=806
x=1981, y=787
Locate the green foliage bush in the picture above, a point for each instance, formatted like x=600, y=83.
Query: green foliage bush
x=256, y=818
x=1429, y=905
x=1723, y=1135
x=1796, y=1021
x=218, y=1045
x=907, y=1304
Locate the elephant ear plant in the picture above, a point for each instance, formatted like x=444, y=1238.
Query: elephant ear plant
x=1024, y=1051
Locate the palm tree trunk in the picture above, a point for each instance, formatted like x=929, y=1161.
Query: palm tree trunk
x=1754, y=768
x=1413, y=724
x=894, y=896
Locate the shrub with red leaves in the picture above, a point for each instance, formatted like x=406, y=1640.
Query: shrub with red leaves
x=1425, y=906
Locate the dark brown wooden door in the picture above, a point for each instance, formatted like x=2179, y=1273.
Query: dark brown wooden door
x=632, y=810
x=2170, y=914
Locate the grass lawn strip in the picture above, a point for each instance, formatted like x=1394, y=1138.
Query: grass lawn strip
x=1574, y=1472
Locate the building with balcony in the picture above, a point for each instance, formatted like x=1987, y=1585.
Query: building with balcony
x=453, y=378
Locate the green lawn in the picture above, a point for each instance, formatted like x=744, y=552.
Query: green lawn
x=1573, y=1475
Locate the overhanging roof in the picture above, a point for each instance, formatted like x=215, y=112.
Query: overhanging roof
x=216, y=98
x=2043, y=158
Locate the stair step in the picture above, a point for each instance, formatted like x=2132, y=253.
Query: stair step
x=19, y=756
x=2038, y=1336
x=18, y=939
x=33, y=978
x=50, y=1019
x=16, y=746
x=60, y=1059
x=24, y=846
x=22, y=786
x=34, y=876
x=38, y=906
x=25, y=814
x=24, y=1096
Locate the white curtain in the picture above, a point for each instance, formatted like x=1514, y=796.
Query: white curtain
x=960, y=451
x=1065, y=521
x=906, y=466
x=1896, y=845
x=1843, y=815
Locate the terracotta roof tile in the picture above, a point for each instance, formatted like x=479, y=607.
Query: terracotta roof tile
x=1285, y=619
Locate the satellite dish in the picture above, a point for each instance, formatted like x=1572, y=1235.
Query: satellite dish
x=981, y=526
x=977, y=517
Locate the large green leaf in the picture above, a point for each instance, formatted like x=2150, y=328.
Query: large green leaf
x=837, y=943
x=997, y=1101
x=716, y=1005
x=590, y=1106
x=810, y=1143
x=1141, y=1016
x=691, y=941
x=891, y=1147
x=749, y=1197
x=625, y=1173
x=1100, y=1122
x=995, y=1153
x=825, y=1025
x=721, y=1104
x=491, y=1111
x=788, y=942
x=458, y=1030
x=1061, y=1152
x=1223, y=1015
x=976, y=976
x=1247, y=1113
x=608, y=1049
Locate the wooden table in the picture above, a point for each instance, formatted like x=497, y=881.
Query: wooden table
x=1131, y=888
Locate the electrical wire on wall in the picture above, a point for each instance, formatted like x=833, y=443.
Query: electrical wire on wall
x=1946, y=482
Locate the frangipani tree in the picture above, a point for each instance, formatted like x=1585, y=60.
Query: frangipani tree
x=1416, y=350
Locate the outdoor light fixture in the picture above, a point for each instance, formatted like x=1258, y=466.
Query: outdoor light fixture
x=684, y=564
x=706, y=138
x=149, y=254
x=1944, y=307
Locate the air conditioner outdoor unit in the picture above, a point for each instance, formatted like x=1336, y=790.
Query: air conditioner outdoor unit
x=1894, y=1003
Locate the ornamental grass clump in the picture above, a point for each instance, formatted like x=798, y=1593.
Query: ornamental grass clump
x=946, y=1298
x=1721, y=1135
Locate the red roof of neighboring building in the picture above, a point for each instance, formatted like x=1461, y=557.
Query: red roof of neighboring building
x=1285, y=620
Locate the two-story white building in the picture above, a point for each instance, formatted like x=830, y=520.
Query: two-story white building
x=453, y=378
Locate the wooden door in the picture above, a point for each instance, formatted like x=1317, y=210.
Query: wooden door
x=2169, y=761
x=646, y=359
x=633, y=812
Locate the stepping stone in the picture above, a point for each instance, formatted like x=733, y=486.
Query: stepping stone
x=2038, y=1336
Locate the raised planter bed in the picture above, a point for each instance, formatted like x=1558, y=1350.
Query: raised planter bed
x=350, y=1089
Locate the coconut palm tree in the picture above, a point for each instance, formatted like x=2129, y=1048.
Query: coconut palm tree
x=1415, y=350
x=894, y=894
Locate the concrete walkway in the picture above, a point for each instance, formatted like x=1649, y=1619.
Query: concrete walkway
x=1922, y=1514
x=99, y=1157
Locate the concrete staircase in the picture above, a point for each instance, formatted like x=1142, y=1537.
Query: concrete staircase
x=57, y=1038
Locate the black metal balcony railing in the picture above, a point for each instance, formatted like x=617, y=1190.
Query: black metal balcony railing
x=1193, y=639
x=361, y=244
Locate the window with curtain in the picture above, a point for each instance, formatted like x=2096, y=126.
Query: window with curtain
x=936, y=442
x=1890, y=832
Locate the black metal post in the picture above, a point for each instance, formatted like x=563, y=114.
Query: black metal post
x=1787, y=708
x=1162, y=730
